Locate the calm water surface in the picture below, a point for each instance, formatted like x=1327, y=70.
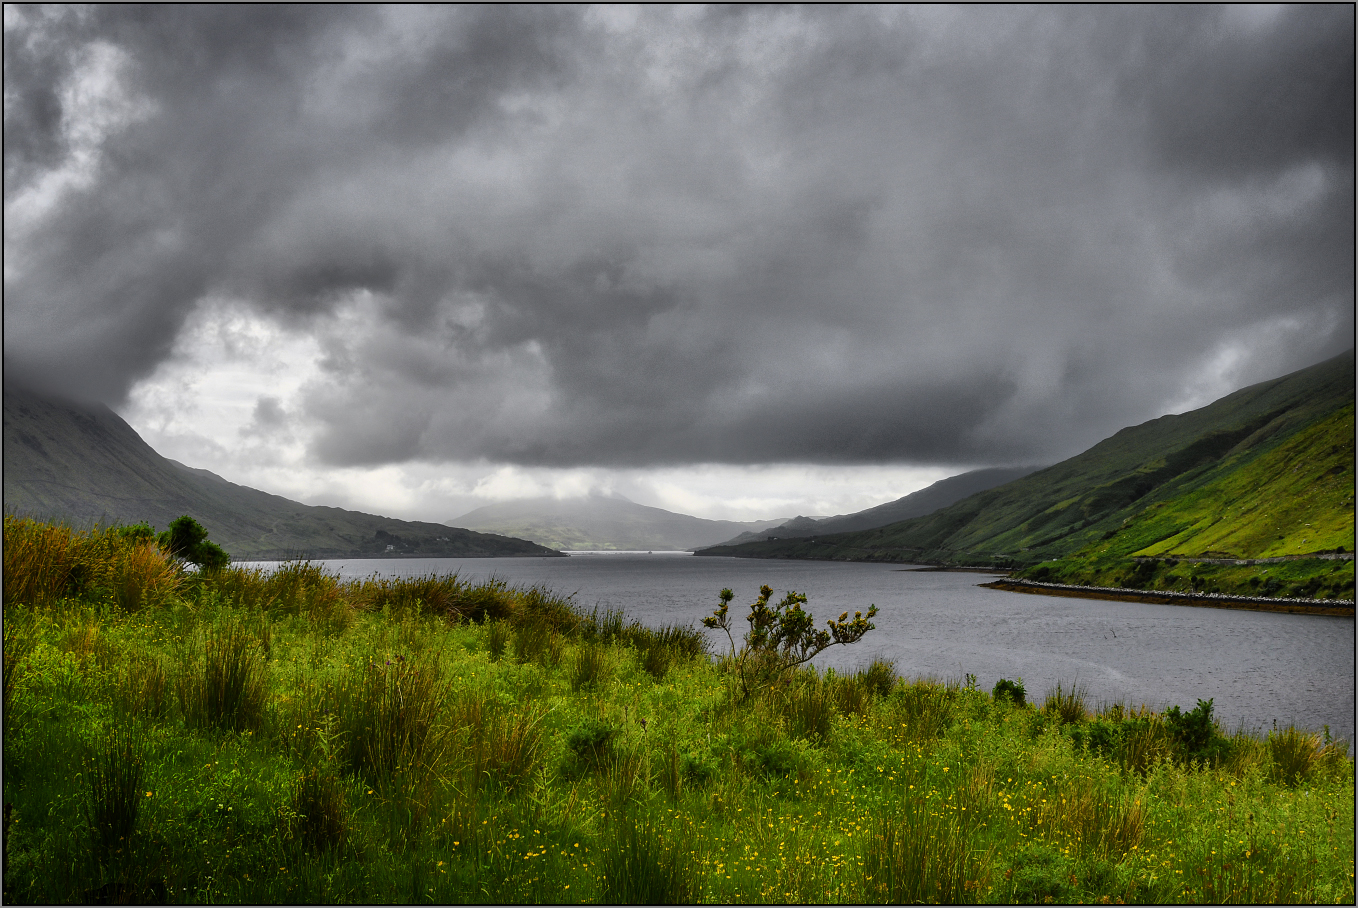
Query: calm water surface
x=1257, y=667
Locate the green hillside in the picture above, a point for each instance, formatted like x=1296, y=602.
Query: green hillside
x=1267, y=470
x=83, y=465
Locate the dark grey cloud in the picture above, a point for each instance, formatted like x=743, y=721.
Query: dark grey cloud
x=664, y=236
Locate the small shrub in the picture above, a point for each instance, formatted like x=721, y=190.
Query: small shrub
x=1195, y=734
x=782, y=637
x=1066, y=704
x=589, y=670
x=113, y=794
x=590, y=743
x=642, y=868
x=187, y=539
x=1011, y=691
x=320, y=819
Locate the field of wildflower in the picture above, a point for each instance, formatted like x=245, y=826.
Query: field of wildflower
x=232, y=735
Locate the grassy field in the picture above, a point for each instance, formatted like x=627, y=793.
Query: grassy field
x=289, y=737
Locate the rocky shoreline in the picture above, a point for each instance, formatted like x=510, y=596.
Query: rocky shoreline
x=1333, y=607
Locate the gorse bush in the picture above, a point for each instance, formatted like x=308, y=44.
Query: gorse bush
x=782, y=636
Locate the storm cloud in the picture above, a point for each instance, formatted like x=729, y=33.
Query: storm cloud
x=661, y=236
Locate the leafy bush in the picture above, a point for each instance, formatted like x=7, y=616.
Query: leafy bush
x=1011, y=691
x=1194, y=733
x=187, y=539
x=782, y=637
x=591, y=743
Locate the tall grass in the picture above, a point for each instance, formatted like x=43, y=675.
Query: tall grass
x=113, y=772
x=387, y=716
x=644, y=868
x=922, y=853
x=221, y=677
x=1067, y=704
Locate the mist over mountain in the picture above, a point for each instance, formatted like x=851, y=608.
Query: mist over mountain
x=1265, y=471
x=82, y=464
x=916, y=504
x=602, y=523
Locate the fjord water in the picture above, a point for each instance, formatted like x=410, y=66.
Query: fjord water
x=1257, y=667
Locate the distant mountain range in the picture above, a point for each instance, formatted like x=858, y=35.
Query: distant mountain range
x=1265, y=471
x=603, y=523
x=916, y=504
x=84, y=465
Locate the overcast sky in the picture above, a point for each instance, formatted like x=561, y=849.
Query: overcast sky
x=735, y=262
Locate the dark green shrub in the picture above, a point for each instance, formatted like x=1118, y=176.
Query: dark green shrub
x=1011, y=691
x=1194, y=733
x=187, y=539
x=591, y=743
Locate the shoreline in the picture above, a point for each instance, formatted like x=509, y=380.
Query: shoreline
x=1329, y=607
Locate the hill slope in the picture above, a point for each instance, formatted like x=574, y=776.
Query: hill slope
x=601, y=523
x=83, y=464
x=1065, y=508
x=916, y=504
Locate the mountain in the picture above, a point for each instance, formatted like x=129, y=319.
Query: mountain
x=83, y=464
x=1177, y=474
x=916, y=504
x=602, y=523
